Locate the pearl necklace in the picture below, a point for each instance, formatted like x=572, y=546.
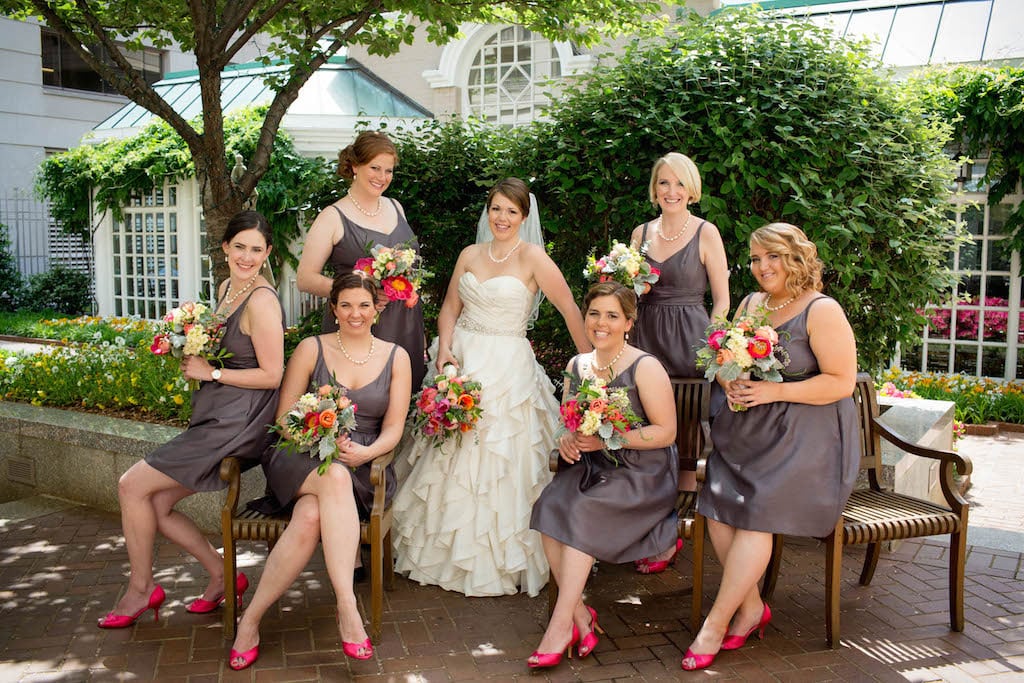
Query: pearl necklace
x=772, y=309
x=665, y=237
x=373, y=342
x=228, y=300
x=490, y=254
x=606, y=367
x=363, y=211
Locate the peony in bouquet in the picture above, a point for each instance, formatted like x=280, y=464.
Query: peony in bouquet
x=745, y=347
x=314, y=423
x=447, y=407
x=597, y=409
x=191, y=329
x=397, y=270
x=623, y=264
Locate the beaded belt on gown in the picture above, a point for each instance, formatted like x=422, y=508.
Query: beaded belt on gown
x=471, y=325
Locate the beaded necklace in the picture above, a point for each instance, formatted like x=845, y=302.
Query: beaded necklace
x=506, y=257
x=363, y=211
x=606, y=367
x=772, y=309
x=373, y=342
x=228, y=300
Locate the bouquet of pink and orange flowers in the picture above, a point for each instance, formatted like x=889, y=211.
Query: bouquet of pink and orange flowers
x=447, y=407
x=746, y=347
x=191, y=329
x=623, y=264
x=398, y=271
x=315, y=421
x=595, y=409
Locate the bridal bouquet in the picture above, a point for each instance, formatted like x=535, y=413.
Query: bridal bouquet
x=191, y=329
x=745, y=347
x=314, y=422
x=447, y=407
x=623, y=264
x=596, y=409
x=398, y=271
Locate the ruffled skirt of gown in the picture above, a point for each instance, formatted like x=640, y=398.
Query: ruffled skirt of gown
x=462, y=514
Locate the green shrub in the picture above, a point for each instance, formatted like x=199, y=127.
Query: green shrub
x=60, y=289
x=11, y=284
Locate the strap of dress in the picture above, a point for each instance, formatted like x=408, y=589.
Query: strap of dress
x=643, y=233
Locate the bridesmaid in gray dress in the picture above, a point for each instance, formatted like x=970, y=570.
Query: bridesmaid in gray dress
x=787, y=464
x=688, y=251
x=329, y=506
x=593, y=508
x=230, y=413
x=362, y=218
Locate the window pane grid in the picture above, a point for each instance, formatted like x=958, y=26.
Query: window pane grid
x=145, y=256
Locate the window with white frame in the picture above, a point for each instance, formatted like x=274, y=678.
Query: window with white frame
x=509, y=75
x=981, y=332
x=145, y=254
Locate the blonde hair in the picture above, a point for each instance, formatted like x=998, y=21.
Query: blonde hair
x=685, y=170
x=799, y=255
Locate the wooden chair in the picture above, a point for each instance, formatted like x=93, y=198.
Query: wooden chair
x=247, y=525
x=874, y=515
x=693, y=439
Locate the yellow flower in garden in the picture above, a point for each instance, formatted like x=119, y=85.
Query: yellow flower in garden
x=41, y=393
x=178, y=400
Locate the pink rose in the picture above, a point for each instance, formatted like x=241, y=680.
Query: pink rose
x=411, y=301
x=715, y=339
x=571, y=417
x=161, y=345
x=724, y=356
x=767, y=332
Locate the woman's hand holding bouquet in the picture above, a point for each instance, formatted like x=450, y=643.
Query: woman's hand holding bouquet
x=744, y=348
x=397, y=270
x=315, y=424
x=597, y=411
x=191, y=329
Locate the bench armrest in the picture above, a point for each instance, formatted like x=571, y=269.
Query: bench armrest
x=950, y=461
x=378, y=478
x=231, y=472
x=554, y=459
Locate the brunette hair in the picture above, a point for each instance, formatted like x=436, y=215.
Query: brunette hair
x=248, y=220
x=516, y=190
x=352, y=281
x=625, y=295
x=366, y=146
x=685, y=170
x=799, y=255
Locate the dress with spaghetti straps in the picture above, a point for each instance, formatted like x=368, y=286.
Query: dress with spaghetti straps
x=671, y=318
x=398, y=324
x=615, y=513
x=286, y=471
x=226, y=420
x=784, y=467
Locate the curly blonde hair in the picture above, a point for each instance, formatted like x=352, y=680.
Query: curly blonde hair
x=799, y=255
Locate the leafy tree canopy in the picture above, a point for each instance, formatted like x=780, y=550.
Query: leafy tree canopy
x=303, y=35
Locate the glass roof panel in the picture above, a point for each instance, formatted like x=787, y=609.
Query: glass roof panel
x=874, y=24
x=1006, y=30
x=912, y=35
x=961, y=32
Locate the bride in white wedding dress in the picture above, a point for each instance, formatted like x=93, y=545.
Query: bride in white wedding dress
x=462, y=516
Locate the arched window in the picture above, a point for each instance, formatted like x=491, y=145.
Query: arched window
x=509, y=74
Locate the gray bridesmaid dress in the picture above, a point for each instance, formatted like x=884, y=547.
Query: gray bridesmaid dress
x=671, y=318
x=226, y=420
x=613, y=513
x=398, y=324
x=285, y=471
x=784, y=467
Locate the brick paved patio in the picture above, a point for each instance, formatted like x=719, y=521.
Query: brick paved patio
x=62, y=567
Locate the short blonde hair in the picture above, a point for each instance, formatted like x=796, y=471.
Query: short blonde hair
x=685, y=170
x=799, y=255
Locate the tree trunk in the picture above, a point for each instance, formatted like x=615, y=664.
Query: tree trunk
x=220, y=201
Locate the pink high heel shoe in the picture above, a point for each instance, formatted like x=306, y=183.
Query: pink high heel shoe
x=589, y=641
x=156, y=598
x=699, y=661
x=736, y=642
x=248, y=658
x=646, y=566
x=363, y=650
x=200, y=606
x=546, y=660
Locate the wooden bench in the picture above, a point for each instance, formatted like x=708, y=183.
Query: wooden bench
x=247, y=525
x=874, y=515
x=693, y=440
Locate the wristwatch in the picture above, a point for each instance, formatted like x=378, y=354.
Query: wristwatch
x=216, y=374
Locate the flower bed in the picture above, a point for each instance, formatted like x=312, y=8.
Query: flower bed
x=978, y=400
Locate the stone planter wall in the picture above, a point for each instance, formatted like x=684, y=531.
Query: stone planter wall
x=79, y=457
x=922, y=421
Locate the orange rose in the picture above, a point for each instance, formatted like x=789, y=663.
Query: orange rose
x=724, y=356
x=466, y=402
x=598, y=405
x=328, y=418
x=465, y=427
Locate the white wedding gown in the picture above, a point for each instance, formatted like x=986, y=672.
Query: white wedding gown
x=462, y=515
